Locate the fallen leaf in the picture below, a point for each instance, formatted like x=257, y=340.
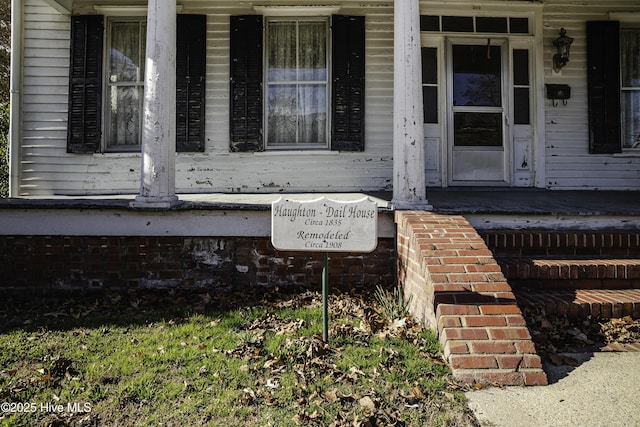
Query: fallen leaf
x=331, y=396
x=367, y=403
x=417, y=393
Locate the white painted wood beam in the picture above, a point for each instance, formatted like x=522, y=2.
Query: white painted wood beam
x=157, y=189
x=62, y=6
x=409, y=187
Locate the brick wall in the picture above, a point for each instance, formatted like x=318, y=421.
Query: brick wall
x=457, y=287
x=124, y=262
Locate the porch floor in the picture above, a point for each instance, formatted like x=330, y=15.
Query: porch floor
x=456, y=200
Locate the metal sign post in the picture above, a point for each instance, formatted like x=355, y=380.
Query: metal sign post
x=325, y=297
x=324, y=225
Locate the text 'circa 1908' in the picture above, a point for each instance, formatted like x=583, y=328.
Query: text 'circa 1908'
x=324, y=225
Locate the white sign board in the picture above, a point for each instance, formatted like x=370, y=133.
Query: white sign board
x=324, y=225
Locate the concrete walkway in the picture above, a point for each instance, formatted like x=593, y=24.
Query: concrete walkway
x=604, y=390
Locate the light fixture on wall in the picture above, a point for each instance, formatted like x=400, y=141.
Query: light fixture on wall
x=563, y=46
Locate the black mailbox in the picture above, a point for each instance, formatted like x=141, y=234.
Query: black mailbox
x=558, y=92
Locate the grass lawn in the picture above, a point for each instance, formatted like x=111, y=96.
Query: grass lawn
x=254, y=358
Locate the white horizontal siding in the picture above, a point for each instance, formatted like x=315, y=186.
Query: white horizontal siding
x=48, y=169
x=568, y=162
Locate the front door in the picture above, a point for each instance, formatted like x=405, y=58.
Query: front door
x=477, y=113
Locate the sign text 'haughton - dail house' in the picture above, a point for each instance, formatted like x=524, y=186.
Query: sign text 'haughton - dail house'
x=324, y=225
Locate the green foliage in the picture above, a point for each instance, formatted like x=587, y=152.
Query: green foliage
x=4, y=150
x=392, y=305
x=255, y=366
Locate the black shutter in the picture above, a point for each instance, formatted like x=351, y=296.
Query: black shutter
x=246, y=83
x=190, y=82
x=85, y=84
x=348, y=83
x=603, y=78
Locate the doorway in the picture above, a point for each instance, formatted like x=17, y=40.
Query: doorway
x=478, y=135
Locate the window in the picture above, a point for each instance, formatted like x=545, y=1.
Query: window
x=477, y=95
x=297, y=83
x=125, y=84
x=113, y=122
x=303, y=90
x=474, y=24
x=630, y=86
x=521, y=87
x=430, y=84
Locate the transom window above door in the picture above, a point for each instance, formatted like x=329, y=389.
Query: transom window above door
x=297, y=85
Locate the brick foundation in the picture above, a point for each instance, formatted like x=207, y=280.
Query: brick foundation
x=458, y=288
x=72, y=262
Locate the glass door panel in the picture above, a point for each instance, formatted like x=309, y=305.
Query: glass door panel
x=477, y=124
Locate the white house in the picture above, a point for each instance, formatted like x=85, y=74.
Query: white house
x=226, y=96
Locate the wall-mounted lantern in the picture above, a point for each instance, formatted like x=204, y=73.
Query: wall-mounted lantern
x=563, y=46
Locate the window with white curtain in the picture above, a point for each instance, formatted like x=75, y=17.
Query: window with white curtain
x=125, y=83
x=297, y=83
x=630, y=90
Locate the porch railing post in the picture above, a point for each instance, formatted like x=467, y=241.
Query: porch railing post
x=409, y=188
x=157, y=188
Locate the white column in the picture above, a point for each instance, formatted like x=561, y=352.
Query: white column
x=157, y=189
x=409, y=189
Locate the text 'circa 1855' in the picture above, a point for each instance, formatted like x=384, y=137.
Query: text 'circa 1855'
x=324, y=225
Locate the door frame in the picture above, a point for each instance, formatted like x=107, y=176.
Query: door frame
x=505, y=110
x=526, y=140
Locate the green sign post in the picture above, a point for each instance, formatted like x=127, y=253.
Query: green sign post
x=324, y=225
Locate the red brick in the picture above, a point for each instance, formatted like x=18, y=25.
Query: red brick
x=463, y=334
x=531, y=361
x=447, y=268
x=509, y=362
x=467, y=278
x=536, y=377
x=516, y=320
x=492, y=347
x=456, y=347
x=500, y=309
x=490, y=377
x=467, y=262
x=483, y=268
x=449, y=322
x=477, y=321
x=497, y=286
x=509, y=334
x=472, y=362
x=462, y=310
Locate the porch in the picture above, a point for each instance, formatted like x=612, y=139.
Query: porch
x=512, y=244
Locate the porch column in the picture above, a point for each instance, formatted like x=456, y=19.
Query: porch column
x=157, y=188
x=409, y=191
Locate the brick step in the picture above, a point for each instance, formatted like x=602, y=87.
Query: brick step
x=572, y=273
x=569, y=243
x=580, y=303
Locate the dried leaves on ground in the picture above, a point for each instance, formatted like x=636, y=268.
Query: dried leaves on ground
x=555, y=334
x=267, y=367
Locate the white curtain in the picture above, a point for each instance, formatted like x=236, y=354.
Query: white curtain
x=630, y=59
x=297, y=82
x=126, y=74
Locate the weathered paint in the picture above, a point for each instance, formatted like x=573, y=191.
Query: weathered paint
x=157, y=187
x=560, y=152
x=408, y=135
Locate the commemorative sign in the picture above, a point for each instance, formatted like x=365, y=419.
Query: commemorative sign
x=324, y=225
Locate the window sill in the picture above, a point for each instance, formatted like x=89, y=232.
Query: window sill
x=118, y=154
x=297, y=153
x=630, y=153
